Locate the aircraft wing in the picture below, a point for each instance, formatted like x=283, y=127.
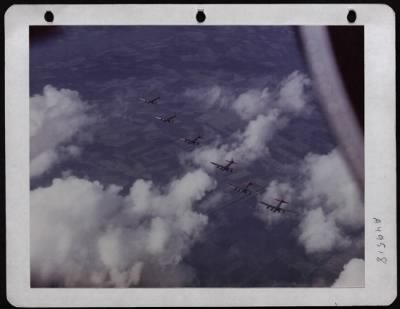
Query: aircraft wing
x=158, y=117
x=216, y=164
x=154, y=100
x=270, y=206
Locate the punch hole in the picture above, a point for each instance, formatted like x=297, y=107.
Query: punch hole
x=351, y=16
x=49, y=16
x=200, y=16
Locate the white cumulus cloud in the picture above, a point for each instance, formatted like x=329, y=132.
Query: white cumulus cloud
x=252, y=103
x=330, y=183
x=247, y=145
x=319, y=233
x=265, y=112
x=326, y=198
x=87, y=234
x=332, y=202
x=42, y=162
x=352, y=276
x=215, y=96
x=55, y=117
x=252, y=143
x=293, y=95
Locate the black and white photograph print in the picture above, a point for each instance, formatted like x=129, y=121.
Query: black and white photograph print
x=187, y=156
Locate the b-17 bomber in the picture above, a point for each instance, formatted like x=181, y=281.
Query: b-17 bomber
x=245, y=189
x=150, y=101
x=278, y=208
x=194, y=141
x=169, y=119
x=225, y=167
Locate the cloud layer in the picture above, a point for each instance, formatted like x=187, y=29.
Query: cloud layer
x=293, y=96
x=331, y=205
x=329, y=182
x=352, y=276
x=252, y=102
x=333, y=200
x=265, y=112
x=55, y=117
x=86, y=234
x=319, y=233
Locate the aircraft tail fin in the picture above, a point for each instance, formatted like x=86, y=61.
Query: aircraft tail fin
x=231, y=161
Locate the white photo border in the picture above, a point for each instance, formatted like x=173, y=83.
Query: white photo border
x=380, y=152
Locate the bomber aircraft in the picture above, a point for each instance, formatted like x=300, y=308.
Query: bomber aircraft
x=169, y=119
x=226, y=167
x=278, y=208
x=245, y=189
x=193, y=141
x=150, y=101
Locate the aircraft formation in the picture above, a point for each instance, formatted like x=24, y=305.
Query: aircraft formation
x=246, y=189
